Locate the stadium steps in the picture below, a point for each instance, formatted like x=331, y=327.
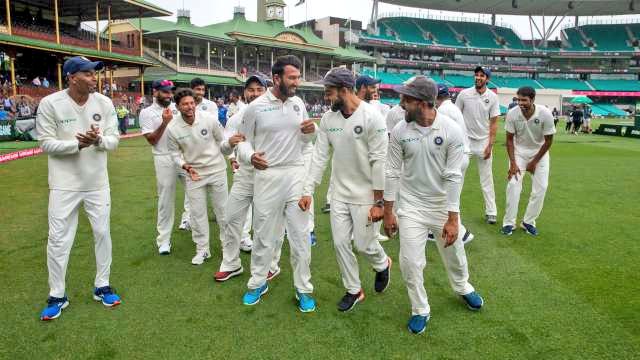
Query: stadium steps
x=539, y=84
x=406, y=31
x=425, y=34
x=585, y=39
x=497, y=38
x=608, y=37
x=459, y=37
x=571, y=40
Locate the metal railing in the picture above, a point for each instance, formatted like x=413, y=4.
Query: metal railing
x=429, y=16
x=601, y=22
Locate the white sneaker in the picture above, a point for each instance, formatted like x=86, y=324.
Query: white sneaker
x=164, y=249
x=468, y=237
x=200, y=257
x=246, y=245
x=184, y=225
x=382, y=238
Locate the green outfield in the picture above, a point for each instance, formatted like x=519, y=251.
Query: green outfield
x=570, y=293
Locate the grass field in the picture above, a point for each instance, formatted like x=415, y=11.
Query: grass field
x=571, y=293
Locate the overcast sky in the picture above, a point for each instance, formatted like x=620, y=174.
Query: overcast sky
x=205, y=12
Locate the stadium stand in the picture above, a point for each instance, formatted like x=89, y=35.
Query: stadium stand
x=615, y=85
x=574, y=40
x=608, y=37
x=511, y=38
x=440, y=31
x=477, y=34
x=567, y=84
x=407, y=30
x=607, y=110
x=384, y=33
x=515, y=82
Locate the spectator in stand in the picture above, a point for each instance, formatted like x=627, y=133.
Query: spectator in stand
x=7, y=103
x=235, y=104
x=555, y=114
x=36, y=81
x=222, y=112
x=45, y=82
x=24, y=110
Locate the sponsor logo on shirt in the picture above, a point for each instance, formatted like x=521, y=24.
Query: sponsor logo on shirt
x=334, y=130
x=97, y=117
x=65, y=121
x=408, y=140
x=381, y=131
x=358, y=129
x=438, y=140
x=268, y=109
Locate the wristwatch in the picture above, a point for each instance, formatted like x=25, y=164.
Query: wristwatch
x=379, y=203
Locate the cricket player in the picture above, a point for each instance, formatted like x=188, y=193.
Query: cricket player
x=480, y=109
x=530, y=130
x=394, y=116
x=238, y=208
x=199, y=88
x=356, y=132
x=76, y=128
x=449, y=109
x=424, y=165
x=153, y=123
x=195, y=139
x=276, y=128
x=367, y=90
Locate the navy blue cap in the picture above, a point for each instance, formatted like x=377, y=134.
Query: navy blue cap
x=338, y=77
x=366, y=80
x=80, y=63
x=485, y=70
x=443, y=90
x=257, y=78
x=163, y=85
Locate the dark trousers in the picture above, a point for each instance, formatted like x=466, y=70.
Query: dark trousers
x=122, y=126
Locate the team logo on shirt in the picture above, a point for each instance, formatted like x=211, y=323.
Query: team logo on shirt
x=296, y=108
x=537, y=121
x=97, y=117
x=438, y=140
x=486, y=101
x=204, y=107
x=204, y=132
x=358, y=130
x=175, y=112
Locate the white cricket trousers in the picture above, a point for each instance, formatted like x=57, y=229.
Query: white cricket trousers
x=413, y=226
x=63, y=222
x=238, y=215
x=348, y=220
x=539, y=183
x=166, y=175
x=214, y=186
x=276, y=194
x=485, y=170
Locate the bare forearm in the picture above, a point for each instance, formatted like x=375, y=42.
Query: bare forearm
x=510, y=149
x=155, y=136
x=493, y=130
x=543, y=150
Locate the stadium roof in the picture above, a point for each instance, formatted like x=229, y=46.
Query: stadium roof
x=528, y=7
x=120, y=9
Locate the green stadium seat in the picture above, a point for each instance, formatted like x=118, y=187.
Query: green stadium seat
x=608, y=110
x=479, y=35
x=567, y=84
x=615, y=85
x=574, y=39
x=608, y=37
x=439, y=30
x=513, y=41
x=407, y=31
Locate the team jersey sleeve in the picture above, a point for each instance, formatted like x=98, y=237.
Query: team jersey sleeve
x=307, y=138
x=46, y=128
x=174, y=149
x=393, y=165
x=460, y=101
x=548, y=126
x=319, y=159
x=378, y=142
x=495, y=108
x=146, y=121
x=109, y=134
x=247, y=127
x=452, y=174
x=509, y=123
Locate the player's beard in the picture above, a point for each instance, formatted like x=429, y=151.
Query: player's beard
x=368, y=96
x=337, y=105
x=286, y=90
x=411, y=116
x=478, y=87
x=163, y=102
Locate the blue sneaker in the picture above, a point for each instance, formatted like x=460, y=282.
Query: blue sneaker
x=312, y=238
x=305, y=302
x=473, y=300
x=529, y=229
x=54, y=308
x=107, y=296
x=418, y=323
x=507, y=230
x=253, y=296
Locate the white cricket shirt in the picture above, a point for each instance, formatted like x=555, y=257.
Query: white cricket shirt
x=150, y=121
x=208, y=106
x=529, y=134
x=394, y=116
x=449, y=109
x=477, y=109
x=425, y=168
x=58, y=121
x=359, y=150
x=273, y=127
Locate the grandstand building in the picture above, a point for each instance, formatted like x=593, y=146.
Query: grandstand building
x=37, y=36
x=223, y=54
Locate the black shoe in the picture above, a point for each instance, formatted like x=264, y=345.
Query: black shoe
x=350, y=300
x=383, y=278
x=326, y=208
